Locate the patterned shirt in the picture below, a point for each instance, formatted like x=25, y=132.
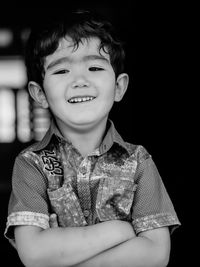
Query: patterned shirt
x=118, y=180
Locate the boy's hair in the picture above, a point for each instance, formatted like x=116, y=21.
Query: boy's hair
x=78, y=25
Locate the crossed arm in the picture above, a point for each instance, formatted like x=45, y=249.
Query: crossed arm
x=150, y=249
x=111, y=243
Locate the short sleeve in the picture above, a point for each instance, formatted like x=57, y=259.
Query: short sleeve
x=152, y=207
x=28, y=204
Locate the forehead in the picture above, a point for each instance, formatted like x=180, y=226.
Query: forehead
x=67, y=47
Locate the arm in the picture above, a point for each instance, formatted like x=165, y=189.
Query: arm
x=68, y=246
x=149, y=249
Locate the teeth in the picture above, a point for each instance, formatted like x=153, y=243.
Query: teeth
x=80, y=99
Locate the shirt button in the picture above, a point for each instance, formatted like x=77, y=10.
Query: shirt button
x=86, y=213
x=83, y=170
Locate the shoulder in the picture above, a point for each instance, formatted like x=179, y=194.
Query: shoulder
x=26, y=157
x=138, y=151
x=37, y=148
x=32, y=153
x=30, y=149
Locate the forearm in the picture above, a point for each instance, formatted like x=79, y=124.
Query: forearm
x=137, y=252
x=69, y=246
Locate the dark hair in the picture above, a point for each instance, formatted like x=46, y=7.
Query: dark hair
x=77, y=25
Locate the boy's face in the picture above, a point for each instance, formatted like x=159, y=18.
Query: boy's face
x=80, y=84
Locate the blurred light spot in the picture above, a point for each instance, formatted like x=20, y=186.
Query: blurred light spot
x=25, y=34
x=41, y=121
x=12, y=73
x=23, y=116
x=7, y=115
x=6, y=38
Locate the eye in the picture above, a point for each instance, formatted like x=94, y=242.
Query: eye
x=61, y=71
x=95, y=69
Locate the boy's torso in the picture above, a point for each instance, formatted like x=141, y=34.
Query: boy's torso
x=84, y=191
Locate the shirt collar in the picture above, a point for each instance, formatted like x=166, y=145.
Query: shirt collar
x=52, y=131
x=111, y=137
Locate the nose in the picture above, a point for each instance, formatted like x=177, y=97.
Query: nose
x=80, y=81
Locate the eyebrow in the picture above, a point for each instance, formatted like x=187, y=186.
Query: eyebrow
x=70, y=60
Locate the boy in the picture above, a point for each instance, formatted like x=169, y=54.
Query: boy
x=111, y=206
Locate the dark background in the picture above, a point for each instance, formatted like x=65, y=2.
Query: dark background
x=151, y=114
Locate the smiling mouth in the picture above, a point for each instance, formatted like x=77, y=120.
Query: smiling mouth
x=79, y=99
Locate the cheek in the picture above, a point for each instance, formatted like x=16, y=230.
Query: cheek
x=107, y=80
x=52, y=90
x=109, y=88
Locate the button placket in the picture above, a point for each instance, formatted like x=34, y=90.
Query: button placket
x=83, y=186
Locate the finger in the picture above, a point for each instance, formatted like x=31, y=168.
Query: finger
x=53, y=221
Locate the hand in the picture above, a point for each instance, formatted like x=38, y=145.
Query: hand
x=53, y=221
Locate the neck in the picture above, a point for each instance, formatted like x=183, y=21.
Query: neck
x=86, y=141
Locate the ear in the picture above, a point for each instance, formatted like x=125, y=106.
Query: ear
x=38, y=94
x=121, y=86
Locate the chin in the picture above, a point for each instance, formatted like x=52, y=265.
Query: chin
x=83, y=119
x=84, y=124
